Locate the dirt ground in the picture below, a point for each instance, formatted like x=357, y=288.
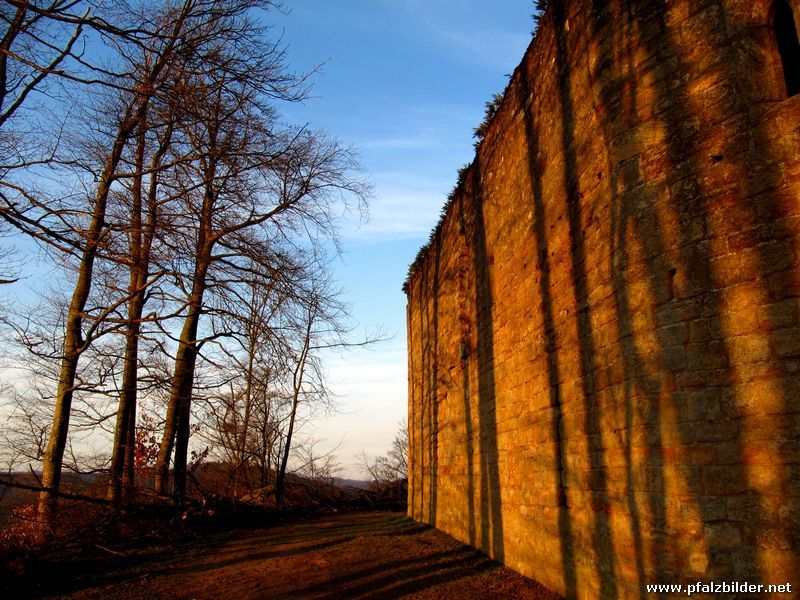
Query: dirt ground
x=349, y=555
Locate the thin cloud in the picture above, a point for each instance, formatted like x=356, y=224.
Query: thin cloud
x=400, y=143
x=398, y=214
x=453, y=25
x=374, y=386
x=491, y=48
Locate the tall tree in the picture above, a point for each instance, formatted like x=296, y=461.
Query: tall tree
x=257, y=183
x=253, y=180
x=143, y=213
x=319, y=325
x=169, y=40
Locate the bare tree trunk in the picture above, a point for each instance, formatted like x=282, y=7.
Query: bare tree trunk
x=141, y=242
x=297, y=387
x=127, y=397
x=281, y=477
x=128, y=472
x=181, y=394
x=176, y=427
x=265, y=451
x=126, y=411
x=248, y=398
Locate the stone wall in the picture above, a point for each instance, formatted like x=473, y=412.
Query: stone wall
x=604, y=335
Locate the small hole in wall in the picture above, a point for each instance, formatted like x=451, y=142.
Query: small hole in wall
x=788, y=45
x=671, y=283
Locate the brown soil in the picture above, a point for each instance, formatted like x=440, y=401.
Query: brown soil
x=350, y=555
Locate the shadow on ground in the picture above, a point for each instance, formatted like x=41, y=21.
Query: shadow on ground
x=352, y=555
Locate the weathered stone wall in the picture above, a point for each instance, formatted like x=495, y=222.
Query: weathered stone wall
x=604, y=344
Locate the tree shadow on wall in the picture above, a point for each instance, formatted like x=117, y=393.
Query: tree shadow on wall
x=696, y=358
x=433, y=386
x=426, y=415
x=593, y=430
x=490, y=506
x=557, y=432
x=641, y=391
x=469, y=445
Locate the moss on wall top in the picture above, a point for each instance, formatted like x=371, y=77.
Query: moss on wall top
x=492, y=109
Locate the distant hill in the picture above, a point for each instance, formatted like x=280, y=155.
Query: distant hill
x=353, y=483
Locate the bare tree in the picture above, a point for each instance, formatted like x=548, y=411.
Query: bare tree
x=392, y=466
x=279, y=381
x=243, y=420
x=44, y=67
x=315, y=465
x=253, y=185
x=151, y=151
x=320, y=325
x=37, y=38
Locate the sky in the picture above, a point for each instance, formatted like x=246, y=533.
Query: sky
x=404, y=82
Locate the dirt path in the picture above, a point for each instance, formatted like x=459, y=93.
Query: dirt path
x=356, y=555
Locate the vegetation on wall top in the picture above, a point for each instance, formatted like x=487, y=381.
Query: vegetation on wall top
x=492, y=108
x=451, y=197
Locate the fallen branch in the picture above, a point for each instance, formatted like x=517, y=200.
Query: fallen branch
x=110, y=551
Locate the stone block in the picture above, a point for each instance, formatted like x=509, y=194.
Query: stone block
x=786, y=342
x=721, y=480
x=749, y=348
x=778, y=315
x=723, y=535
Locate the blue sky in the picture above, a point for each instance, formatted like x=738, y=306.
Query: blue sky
x=404, y=82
